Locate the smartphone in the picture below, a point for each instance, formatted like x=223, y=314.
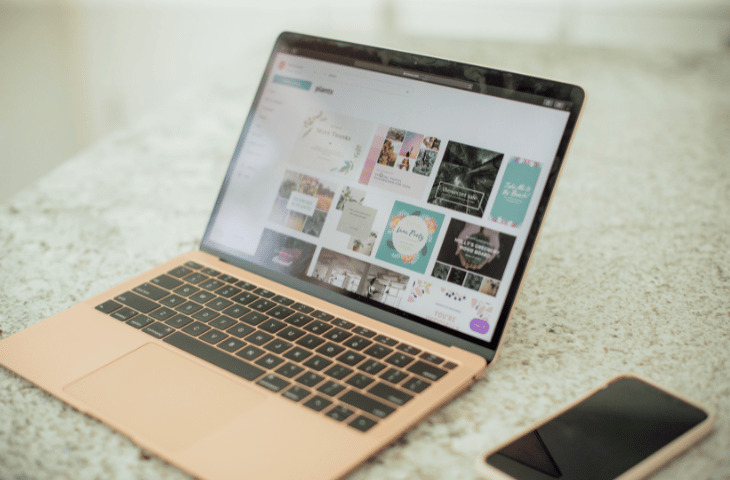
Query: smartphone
x=625, y=429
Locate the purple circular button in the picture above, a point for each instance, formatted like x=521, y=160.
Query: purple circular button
x=479, y=325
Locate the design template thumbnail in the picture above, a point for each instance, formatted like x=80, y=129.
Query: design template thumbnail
x=400, y=161
x=370, y=281
x=284, y=254
x=410, y=236
x=465, y=178
x=470, y=254
x=302, y=203
x=332, y=143
x=514, y=194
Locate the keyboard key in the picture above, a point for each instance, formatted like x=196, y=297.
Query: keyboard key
x=222, y=322
x=196, y=278
x=228, y=278
x=250, y=352
x=359, y=380
x=258, y=338
x=227, y=291
x=330, y=349
x=296, y=393
x=351, y=358
x=342, y=323
x=196, y=328
x=210, y=271
x=231, y=345
x=290, y=333
x=372, y=367
x=289, y=370
x=201, y=297
x=322, y=315
x=173, y=301
x=378, y=351
x=426, y=370
x=139, y=321
x=158, y=330
x=213, y=336
x=262, y=305
x=211, y=284
x=162, y=314
x=309, y=379
x=386, y=340
x=244, y=298
x=318, y=327
x=188, y=308
x=264, y=293
x=331, y=388
x=109, y=306
x=430, y=357
x=364, y=332
x=239, y=330
x=124, y=314
x=272, y=326
x=408, y=349
x=179, y=320
x=193, y=265
x=394, y=376
x=136, y=302
x=166, y=281
x=236, y=311
x=318, y=403
x=278, y=345
x=366, y=404
x=297, y=354
x=150, y=291
x=450, y=366
x=273, y=383
x=245, y=285
x=415, y=384
x=363, y=423
x=269, y=361
x=310, y=341
x=339, y=413
x=300, y=307
x=299, y=319
x=317, y=363
x=179, y=272
x=186, y=290
x=218, y=304
x=386, y=392
x=357, y=343
x=338, y=372
x=280, y=312
x=205, y=315
x=337, y=335
x=216, y=357
x=282, y=300
x=399, y=359
x=253, y=318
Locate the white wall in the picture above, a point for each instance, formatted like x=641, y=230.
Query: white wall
x=72, y=71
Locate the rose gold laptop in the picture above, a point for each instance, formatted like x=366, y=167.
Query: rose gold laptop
x=357, y=273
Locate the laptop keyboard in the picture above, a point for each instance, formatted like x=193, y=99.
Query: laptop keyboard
x=349, y=373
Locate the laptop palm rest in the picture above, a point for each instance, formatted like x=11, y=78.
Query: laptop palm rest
x=162, y=398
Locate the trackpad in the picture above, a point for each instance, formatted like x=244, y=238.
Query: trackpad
x=160, y=396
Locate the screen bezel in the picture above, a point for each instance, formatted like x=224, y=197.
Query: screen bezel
x=480, y=80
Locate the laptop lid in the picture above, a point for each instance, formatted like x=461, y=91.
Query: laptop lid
x=406, y=188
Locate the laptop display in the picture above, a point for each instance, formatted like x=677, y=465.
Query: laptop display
x=411, y=192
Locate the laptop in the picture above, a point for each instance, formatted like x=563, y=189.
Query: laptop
x=357, y=273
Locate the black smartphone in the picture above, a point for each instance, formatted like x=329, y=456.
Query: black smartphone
x=624, y=429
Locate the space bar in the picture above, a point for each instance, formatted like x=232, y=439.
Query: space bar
x=214, y=356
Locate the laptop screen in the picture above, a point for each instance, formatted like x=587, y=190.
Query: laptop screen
x=396, y=185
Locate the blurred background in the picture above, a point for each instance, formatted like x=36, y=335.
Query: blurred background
x=72, y=71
